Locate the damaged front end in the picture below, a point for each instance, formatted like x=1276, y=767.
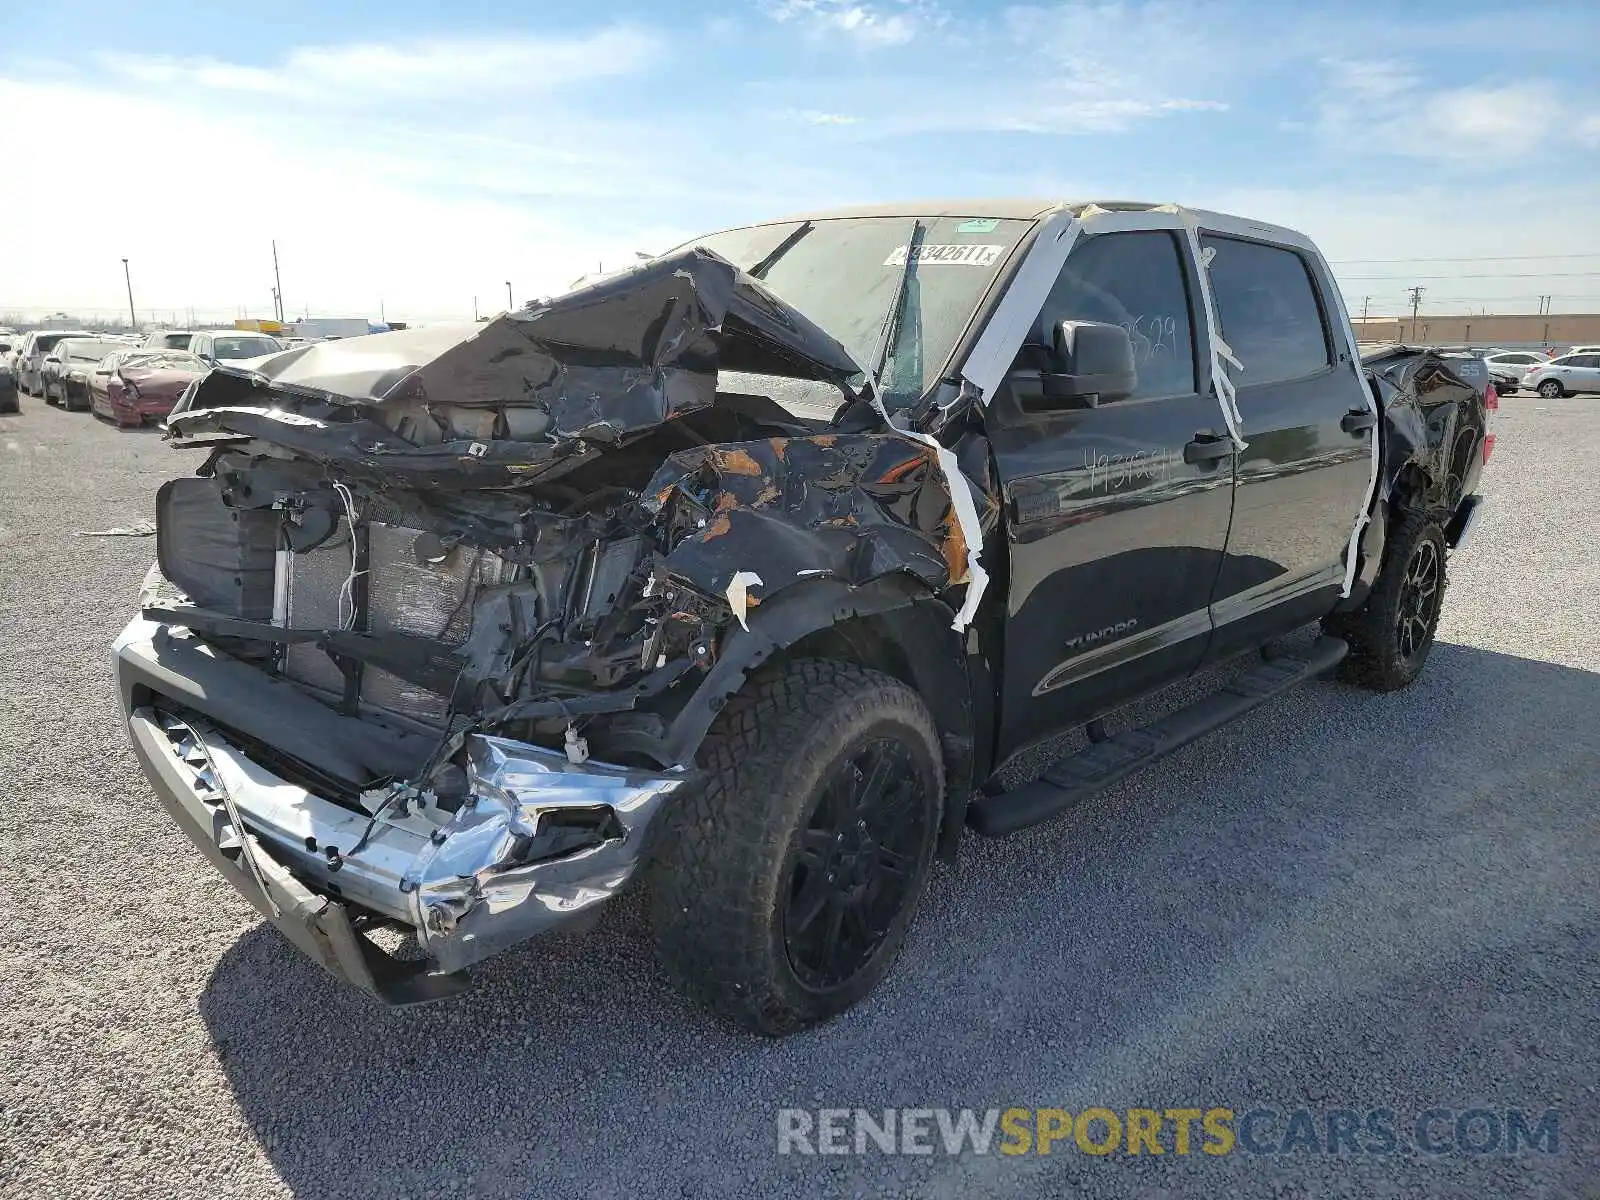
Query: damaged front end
x=438, y=626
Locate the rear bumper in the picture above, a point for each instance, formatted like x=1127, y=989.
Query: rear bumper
x=466, y=883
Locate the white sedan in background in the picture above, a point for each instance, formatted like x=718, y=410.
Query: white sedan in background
x=1565, y=375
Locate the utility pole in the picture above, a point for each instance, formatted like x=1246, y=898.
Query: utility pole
x=133, y=320
x=1365, y=300
x=474, y=309
x=510, y=304
x=277, y=280
x=1416, y=303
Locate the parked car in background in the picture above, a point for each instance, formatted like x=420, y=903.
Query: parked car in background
x=1565, y=375
x=1507, y=367
x=66, y=369
x=1584, y=350
x=30, y=358
x=10, y=402
x=219, y=345
x=132, y=386
x=169, y=339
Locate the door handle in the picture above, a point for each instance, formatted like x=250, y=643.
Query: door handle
x=1207, y=447
x=1358, y=420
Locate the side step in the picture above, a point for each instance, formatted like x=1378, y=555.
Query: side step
x=1069, y=780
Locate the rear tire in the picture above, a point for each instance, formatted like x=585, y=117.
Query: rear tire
x=1390, y=635
x=783, y=887
x=1551, y=389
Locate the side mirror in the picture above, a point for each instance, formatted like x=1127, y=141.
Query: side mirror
x=1090, y=362
x=1095, y=361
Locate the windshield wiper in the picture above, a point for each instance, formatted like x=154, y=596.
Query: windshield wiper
x=759, y=271
x=895, y=315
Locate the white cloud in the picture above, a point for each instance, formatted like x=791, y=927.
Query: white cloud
x=813, y=116
x=869, y=24
x=457, y=68
x=1387, y=105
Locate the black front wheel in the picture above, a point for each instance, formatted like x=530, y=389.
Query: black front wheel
x=1391, y=634
x=1551, y=389
x=784, y=886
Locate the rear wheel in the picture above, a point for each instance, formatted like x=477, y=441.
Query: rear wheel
x=1551, y=389
x=1391, y=634
x=784, y=886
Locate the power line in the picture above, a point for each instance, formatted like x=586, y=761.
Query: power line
x=1488, y=275
x=1488, y=258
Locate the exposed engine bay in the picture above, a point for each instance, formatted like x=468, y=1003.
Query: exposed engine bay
x=544, y=527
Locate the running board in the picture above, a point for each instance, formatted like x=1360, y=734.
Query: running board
x=1069, y=780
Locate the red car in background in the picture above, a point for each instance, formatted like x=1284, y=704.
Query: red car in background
x=132, y=385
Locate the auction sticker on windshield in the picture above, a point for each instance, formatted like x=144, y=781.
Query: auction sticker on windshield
x=977, y=255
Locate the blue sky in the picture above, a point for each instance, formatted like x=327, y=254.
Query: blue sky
x=415, y=155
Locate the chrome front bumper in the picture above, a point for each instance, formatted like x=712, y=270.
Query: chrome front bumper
x=467, y=883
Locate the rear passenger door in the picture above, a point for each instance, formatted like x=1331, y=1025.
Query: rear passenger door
x=1114, y=538
x=1303, y=478
x=1585, y=374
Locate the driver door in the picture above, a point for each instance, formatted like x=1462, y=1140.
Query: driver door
x=1117, y=515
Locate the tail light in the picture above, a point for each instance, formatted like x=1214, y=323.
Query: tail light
x=1491, y=406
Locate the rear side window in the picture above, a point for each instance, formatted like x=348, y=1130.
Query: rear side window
x=1135, y=280
x=1268, y=310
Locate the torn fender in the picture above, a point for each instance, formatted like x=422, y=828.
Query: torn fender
x=786, y=620
x=1431, y=448
x=849, y=507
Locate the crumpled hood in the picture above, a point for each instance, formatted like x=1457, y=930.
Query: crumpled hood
x=651, y=336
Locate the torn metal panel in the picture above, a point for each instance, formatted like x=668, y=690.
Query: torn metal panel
x=540, y=841
x=620, y=355
x=851, y=507
x=1433, y=421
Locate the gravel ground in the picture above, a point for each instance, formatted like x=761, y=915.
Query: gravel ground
x=1342, y=901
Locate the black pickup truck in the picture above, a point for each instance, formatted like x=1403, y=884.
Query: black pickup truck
x=744, y=573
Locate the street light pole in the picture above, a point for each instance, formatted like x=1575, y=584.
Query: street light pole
x=510, y=303
x=133, y=320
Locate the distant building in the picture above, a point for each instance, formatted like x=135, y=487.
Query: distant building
x=1521, y=332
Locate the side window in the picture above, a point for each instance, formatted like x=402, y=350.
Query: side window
x=1268, y=310
x=1587, y=360
x=1135, y=280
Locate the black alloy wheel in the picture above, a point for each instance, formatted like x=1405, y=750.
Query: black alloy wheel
x=1419, y=600
x=855, y=865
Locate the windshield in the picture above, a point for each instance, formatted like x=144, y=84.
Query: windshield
x=843, y=273
x=245, y=347
x=87, y=352
x=45, y=342
x=150, y=360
